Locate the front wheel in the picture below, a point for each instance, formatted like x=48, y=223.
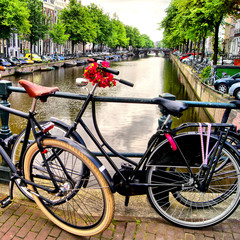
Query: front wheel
x=175, y=193
x=222, y=87
x=84, y=204
x=237, y=94
x=58, y=130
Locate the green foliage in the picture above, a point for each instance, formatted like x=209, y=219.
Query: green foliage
x=102, y=24
x=57, y=33
x=206, y=72
x=118, y=37
x=38, y=20
x=78, y=23
x=195, y=20
x=147, y=42
x=14, y=16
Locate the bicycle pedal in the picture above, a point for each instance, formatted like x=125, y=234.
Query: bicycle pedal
x=5, y=201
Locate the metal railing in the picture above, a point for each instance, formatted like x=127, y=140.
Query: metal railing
x=6, y=89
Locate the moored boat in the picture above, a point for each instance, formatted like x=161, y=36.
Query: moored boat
x=70, y=64
x=23, y=71
x=81, y=62
x=47, y=68
x=58, y=65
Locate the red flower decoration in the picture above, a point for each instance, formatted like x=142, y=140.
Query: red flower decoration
x=96, y=75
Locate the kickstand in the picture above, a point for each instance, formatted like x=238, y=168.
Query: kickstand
x=5, y=201
x=126, y=201
x=11, y=185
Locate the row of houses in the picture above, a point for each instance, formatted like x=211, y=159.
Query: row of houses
x=17, y=47
x=229, y=38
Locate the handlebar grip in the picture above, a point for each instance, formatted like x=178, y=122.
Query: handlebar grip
x=110, y=70
x=126, y=82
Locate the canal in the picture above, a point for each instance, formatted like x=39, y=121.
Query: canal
x=126, y=126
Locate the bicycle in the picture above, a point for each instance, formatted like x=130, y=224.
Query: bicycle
x=184, y=187
x=59, y=174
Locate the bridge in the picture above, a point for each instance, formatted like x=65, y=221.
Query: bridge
x=164, y=51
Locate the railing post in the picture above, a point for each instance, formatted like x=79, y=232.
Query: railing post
x=162, y=119
x=5, y=130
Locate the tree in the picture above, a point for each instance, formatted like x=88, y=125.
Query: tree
x=14, y=16
x=102, y=25
x=219, y=10
x=78, y=23
x=58, y=33
x=39, y=22
x=172, y=35
x=195, y=20
x=118, y=37
x=148, y=43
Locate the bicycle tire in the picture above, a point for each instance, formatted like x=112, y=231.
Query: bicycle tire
x=16, y=151
x=84, y=210
x=184, y=204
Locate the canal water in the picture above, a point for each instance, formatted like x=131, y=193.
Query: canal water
x=126, y=126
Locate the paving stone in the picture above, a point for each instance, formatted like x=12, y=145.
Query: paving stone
x=16, y=223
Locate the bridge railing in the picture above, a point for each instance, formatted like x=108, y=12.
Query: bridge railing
x=6, y=89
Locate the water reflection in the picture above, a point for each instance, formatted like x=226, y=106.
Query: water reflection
x=126, y=126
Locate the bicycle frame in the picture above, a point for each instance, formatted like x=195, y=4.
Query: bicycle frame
x=145, y=156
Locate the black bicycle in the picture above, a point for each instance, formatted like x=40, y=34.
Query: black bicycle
x=62, y=177
x=192, y=178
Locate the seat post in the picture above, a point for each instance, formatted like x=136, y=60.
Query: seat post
x=33, y=107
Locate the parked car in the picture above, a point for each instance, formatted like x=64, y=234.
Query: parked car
x=223, y=84
x=14, y=61
x=53, y=59
x=60, y=57
x=189, y=59
x=46, y=58
x=188, y=55
x=4, y=62
x=234, y=90
x=22, y=61
x=29, y=61
x=35, y=57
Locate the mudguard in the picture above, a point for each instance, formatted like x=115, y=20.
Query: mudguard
x=190, y=145
x=65, y=126
x=91, y=156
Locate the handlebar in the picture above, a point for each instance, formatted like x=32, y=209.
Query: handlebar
x=109, y=70
x=125, y=82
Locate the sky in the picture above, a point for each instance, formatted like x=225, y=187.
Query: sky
x=142, y=14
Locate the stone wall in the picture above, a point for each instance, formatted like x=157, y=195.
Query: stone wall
x=207, y=94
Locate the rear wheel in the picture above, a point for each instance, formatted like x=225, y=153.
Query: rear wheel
x=177, y=195
x=84, y=204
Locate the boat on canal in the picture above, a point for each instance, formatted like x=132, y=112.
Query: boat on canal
x=23, y=71
x=47, y=68
x=70, y=64
x=81, y=62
